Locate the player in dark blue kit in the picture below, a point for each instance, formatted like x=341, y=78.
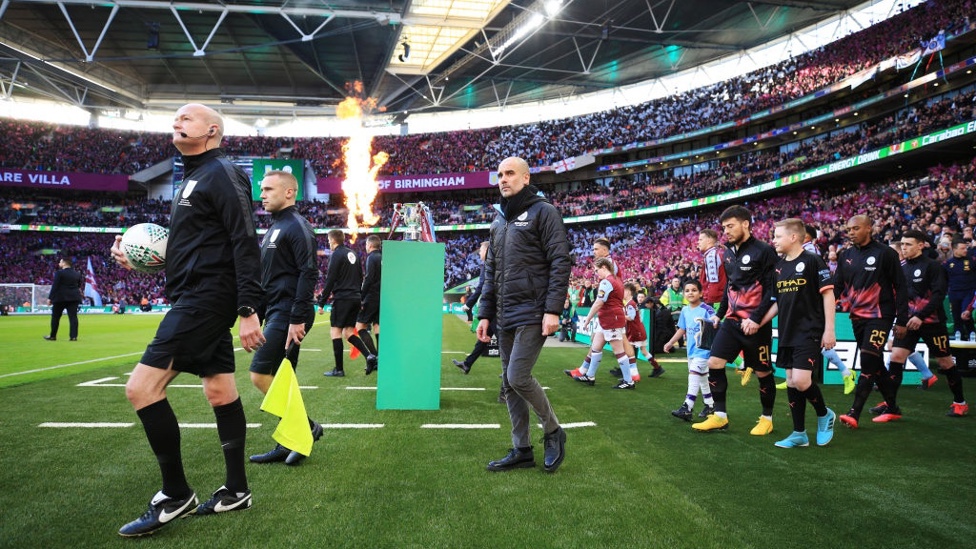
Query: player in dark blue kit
x=804, y=301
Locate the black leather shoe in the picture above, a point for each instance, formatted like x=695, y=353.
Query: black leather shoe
x=295, y=458
x=51, y=338
x=516, y=459
x=464, y=367
x=335, y=373
x=278, y=453
x=372, y=363
x=555, y=445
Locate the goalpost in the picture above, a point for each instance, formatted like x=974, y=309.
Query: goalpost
x=23, y=298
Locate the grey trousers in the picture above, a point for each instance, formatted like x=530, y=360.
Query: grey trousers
x=519, y=348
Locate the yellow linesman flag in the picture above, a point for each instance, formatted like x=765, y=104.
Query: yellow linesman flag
x=284, y=400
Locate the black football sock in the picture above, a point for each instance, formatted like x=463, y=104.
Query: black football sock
x=798, y=405
x=337, y=352
x=163, y=432
x=767, y=394
x=815, y=397
x=358, y=343
x=896, y=371
x=367, y=340
x=954, y=380
x=232, y=431
x=720, y=385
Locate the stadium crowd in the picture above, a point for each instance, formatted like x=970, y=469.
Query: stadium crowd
x=649, y=251
x=40, y=146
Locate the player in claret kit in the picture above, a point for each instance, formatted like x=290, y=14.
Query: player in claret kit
x=609, y=308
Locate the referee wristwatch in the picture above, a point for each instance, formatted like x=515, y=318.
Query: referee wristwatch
x=245, y=311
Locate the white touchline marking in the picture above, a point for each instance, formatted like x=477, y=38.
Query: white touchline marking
x=96, y=425
x=352, y=425
x=212, y=425
x=101, y=383
x=461, y=426
x=574, y=425
x=34, y=371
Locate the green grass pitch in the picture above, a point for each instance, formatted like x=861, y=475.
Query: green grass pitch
x=638, y=478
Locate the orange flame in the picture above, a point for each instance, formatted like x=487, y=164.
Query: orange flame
x=359, y=186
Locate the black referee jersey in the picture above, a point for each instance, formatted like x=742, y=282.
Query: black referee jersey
x=344, y=278
x=289, y=267
x=371, y=282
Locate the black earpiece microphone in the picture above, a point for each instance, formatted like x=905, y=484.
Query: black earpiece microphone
x=208, y=134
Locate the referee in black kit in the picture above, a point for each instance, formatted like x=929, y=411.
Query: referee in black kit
x=213, y=277
x=289, y=275
x=343, y=282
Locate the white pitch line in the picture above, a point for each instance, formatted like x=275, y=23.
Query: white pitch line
x=98, y=425
x=352, y=425
x=34, y=371
x=101, y=383
x=575, y=425
x=212, y=425
x=460, y=426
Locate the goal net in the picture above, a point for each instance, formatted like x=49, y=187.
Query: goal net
x=23, y=298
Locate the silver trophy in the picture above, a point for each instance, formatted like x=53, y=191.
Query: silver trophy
x=411, y=215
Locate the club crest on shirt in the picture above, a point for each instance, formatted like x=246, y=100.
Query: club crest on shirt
x=800, y=267
x=351, y=257
x=746, y=259
x=871, y=260
x=521, y=221
x=917, y=273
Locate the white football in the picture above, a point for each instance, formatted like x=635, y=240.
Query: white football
x=144, y=245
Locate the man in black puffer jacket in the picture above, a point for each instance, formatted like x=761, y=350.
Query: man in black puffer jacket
x=525, y=283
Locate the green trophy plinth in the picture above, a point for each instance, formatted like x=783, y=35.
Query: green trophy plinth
x=411, y=323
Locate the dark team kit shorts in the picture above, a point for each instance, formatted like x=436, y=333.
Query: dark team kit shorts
x=800, y=357
x=730, y=341
x=195, y=339
x=935, y=337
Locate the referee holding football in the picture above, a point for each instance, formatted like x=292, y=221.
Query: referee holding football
x=344, y=282
x=289, y=276
x=213, y=278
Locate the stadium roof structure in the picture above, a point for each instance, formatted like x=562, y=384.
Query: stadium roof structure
x=285, y=59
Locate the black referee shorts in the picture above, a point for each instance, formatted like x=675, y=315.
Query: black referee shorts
x=369, y=313
x=268, y=357
x=730, y=341
x=344, y=312
x=196, y=340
